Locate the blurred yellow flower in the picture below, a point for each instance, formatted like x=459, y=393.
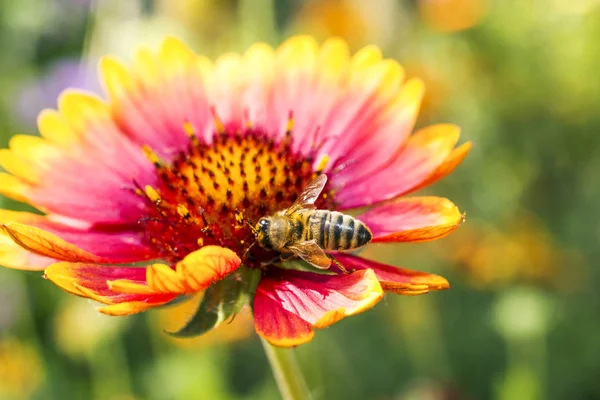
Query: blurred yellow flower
x=522, y=252
x=436, y=84
x=79, y=329
x=172, y=318
x=358, y=22
x=21, y=369
x=206, y=19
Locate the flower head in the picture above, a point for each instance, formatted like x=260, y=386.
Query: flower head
x=185, y=156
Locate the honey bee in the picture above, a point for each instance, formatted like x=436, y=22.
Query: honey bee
x=306, y=232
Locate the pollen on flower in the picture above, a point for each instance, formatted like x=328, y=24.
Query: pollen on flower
x=322, y=164
x=217, y=121
x=189, y=129
x=215, y=190
x=151, y=193
x=290, y=123
x=183, y=211
x=151, y=155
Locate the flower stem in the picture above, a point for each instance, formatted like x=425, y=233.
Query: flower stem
x=287, y=373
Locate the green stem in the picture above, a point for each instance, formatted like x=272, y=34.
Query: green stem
x=287, y=373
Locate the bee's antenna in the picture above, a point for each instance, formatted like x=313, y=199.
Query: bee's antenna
x=252, y=227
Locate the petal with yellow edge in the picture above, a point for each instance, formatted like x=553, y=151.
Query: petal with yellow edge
x=277, y=325
x=376, y=147
x=288, y=303
x=14, y=256
x=454, y=160
x=258, y=68
x=412, y=219
x=154, y=96
x=129, y=290
x=92, y=281
x=53, y=172
x=421, y=156
x=394, y=279
x=201, y=268
x=14, y=188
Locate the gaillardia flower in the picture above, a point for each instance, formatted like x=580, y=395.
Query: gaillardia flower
x=152, y=194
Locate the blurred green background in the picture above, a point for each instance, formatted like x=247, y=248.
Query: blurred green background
x=523, y=316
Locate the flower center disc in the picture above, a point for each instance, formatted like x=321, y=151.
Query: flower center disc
x=213, y=192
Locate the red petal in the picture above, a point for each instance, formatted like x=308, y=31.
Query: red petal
x=395, y=279
x=70, y=276
x=415, y=219
x=315, y=299
x=277, y=325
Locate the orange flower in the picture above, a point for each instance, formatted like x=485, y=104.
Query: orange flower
x=184, y=153
x=335, y=17
x=452, y=15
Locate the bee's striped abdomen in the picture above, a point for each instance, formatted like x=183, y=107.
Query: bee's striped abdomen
x=333, y=230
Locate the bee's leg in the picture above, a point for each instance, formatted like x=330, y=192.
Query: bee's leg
x=247, y=252
x=206, y=229
x=339, y=265
x=286, y=257
x=271, y=261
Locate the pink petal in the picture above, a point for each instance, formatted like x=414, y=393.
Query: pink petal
x=155, y=97
x=378, y=143
x=424, y=152
x=83, y=167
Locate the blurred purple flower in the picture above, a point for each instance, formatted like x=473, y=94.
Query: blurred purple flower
x=42, y=92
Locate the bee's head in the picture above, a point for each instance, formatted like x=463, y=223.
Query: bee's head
x=262, y=233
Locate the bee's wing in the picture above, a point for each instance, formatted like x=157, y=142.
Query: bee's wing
x=306, y=199
x=310, y=252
